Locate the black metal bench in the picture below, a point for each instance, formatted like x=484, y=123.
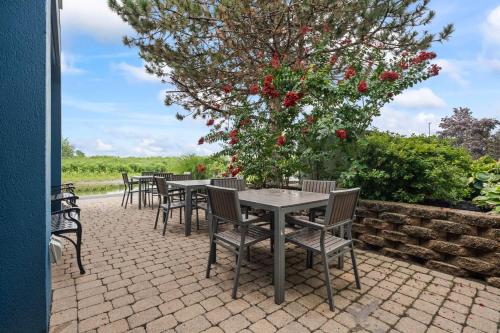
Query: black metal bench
x=66, y=221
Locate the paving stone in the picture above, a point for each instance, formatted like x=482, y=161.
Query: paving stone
x=195, y=325
x=120, y=313
x=115, y=327
x=161, y=324
x=409, y=325
x=217, y=315
x=234, y=324
x=262, y=326
x=141, y=318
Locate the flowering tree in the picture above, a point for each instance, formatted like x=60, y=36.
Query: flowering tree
x=278, y=80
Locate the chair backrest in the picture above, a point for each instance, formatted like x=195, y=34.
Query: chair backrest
x=342, y=206
x=318, y=186
x=224, y=203
x=125, y=178
x=147, y=173
x=182, y=177
x=238, y=184
x=161, y=185
x=166, y=175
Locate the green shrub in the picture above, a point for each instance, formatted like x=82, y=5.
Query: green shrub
x=409, y=169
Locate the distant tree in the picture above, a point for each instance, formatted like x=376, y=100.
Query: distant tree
x=67, y=149
x=476, y=135
x=79, y=153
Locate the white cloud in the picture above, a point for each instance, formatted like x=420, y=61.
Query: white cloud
x=94, y=18
x=103, y=147
x=68, y=64
x=490, y=64
x=421, y=98
x=492, y=26
x=135, y=73
x=406, y=123
x=454, y=69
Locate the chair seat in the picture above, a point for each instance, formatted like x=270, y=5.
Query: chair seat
x=310, y=239
x=60, y=223
x=254, y=235
x=174, y=205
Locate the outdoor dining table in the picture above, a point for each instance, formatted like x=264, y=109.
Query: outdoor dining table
x=142, y=180
x=281, y=202
x=189, y=186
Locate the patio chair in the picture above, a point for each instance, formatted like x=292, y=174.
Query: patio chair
x=154, y=189
x=66, y=221
x=167, y=204
x=316, y=237
x=129, y=189
x=225, y=206
x=317, y=186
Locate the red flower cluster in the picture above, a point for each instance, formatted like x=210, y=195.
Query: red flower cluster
x=389, y=76
x=349, y=73
x=304, y=130
x=227, y=88
x=333, y=59
x=201, y=140
x=268, y=88
x=291, y=99
x=245, y=122
x=275, y=61
x=341, y=134
x=235, y=171
x=362, y=86
x=210, y=122
x=254, y=89
x=200, y=168
x=423, y=56
x=234, y=141
x=434, y=70
x=233, y=133
x=234, y=158
x=304, y=30
x=403, y=64
x=280, y=140
x=310, y=119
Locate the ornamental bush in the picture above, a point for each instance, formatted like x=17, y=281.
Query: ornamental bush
x=409, y=169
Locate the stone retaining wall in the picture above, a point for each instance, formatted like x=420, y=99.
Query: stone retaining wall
x=457, y=242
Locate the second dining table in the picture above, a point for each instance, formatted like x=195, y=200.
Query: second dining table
x=189, y=186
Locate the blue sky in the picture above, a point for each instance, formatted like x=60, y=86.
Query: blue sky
x=112, y=106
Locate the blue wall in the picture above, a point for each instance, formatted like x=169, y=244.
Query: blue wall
x=25, y=163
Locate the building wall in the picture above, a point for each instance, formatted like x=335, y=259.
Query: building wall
x=25, y=163
x=457, y=242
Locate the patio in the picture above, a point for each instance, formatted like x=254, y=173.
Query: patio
x=140, y=281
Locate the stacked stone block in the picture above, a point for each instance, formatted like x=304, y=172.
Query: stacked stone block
x=461, y=243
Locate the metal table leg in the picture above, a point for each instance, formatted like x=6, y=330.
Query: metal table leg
x=188, y=212
x=140, y=193
x=279, y=256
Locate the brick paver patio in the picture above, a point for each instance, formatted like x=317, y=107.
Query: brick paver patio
x=139, y=281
